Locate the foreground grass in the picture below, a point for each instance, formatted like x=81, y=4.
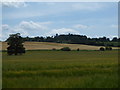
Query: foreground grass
x=60, y=69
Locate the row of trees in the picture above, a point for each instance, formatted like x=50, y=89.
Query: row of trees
x=76, y=39
x=15, y=42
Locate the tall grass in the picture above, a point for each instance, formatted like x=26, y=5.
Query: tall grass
x=59, y=69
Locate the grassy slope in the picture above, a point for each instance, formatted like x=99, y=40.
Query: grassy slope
x=59, y=69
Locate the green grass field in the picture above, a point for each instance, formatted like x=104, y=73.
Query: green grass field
x=61, y=69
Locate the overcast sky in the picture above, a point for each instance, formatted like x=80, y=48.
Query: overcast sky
x=43, y=19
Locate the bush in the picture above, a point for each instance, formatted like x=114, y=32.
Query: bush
x=102, y=49
x=108, y=48
x=65, y=49
x=54, y=49
x=78, y=49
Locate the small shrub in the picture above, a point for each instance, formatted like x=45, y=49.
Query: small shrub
x=108, y=48
x=78, y=49
x=102, y=49
x=54, y=49
x=65, y=49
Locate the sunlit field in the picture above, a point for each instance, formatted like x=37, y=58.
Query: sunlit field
x=61, y=69
x=49, y=46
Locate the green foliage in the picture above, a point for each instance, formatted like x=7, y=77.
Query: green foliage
x=78, y=49
x=58, y=69
x=65, y=49
x=102, y=49
x=15, y=44
x=54, y=49
x=77, y=39
x=108, y=48
x=112, y=43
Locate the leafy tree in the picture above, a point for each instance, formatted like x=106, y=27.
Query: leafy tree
x=76, y=39
x=15, y=42
x=54, y=49
x=65, y=49
x=102, y=49
x=108, y=48
x=115, y=39
x=78, y=49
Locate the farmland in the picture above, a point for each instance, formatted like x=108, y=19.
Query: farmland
x=61, y=69
x=48, y=46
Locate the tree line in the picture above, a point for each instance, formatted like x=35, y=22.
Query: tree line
x=15, y=42
x=76, y=39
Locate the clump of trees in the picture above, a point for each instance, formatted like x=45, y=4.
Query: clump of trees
x=105, y=48
x=15, y=44
x=54, y=49
x=65, y=49
x=108, y=48
x=76, y=39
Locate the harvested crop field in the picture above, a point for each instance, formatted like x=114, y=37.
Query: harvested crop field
x=47, y=45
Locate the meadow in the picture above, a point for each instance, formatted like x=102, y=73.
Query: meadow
x=61, y=69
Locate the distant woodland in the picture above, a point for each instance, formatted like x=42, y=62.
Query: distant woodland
x=76, y=39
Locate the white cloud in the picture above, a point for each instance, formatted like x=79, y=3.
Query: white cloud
x=5, y=27
x=14, y=4
x=31, y=25
x=33, y=29
x=80, y=26
x=25, y=28
x=62, y=31
x=112, y=36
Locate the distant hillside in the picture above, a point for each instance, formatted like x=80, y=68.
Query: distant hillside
x=48, y=45
x=76, y=39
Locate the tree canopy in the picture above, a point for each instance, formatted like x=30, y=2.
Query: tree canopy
x=15, y=42
x=76, y=39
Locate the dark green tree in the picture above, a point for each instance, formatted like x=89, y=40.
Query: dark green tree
x=102, y=49
x=15, y=42
x=78, y=49
x=65, y=49
x=108, y=48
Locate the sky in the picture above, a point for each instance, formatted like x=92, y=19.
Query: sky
x=94, y=19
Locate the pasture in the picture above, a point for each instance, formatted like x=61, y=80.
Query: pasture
x=61, y=69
